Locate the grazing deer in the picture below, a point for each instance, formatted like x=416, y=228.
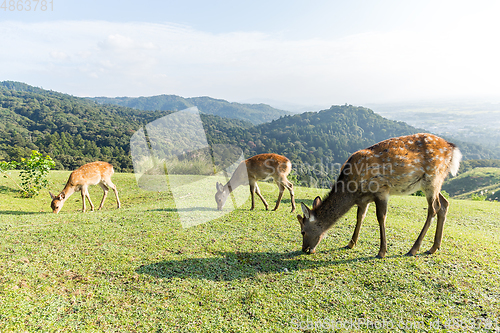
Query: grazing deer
x=89, y=174
x=395, y=166
x=258, y=167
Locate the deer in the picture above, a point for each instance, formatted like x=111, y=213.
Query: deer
x=253, y=169
x=396, y=166
x=79, y=180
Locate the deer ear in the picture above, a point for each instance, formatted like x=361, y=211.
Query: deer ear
x=301, y=220
x=317, y=201
x=52, y=196
x=219, y=187
x=305, y=210
x=62, y=196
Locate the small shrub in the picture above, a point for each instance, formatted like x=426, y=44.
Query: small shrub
x=33, y=173
x=477, y=197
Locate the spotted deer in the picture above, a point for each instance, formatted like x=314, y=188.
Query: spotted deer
x=79, y=180
x=258, y=167
x=396, y=166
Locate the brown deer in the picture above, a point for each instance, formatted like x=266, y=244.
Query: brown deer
x=395, y=166
x=258, y=167
x=89, y=174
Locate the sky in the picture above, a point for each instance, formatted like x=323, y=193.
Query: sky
x=284, y=53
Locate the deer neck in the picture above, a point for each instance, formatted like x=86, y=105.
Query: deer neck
x=338, y=202
x=68, y=190
x=239, y=177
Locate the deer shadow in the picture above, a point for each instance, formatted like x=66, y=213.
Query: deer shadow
x=190, y=209
x=229, y=266
x=19, y=212
x=6, y=190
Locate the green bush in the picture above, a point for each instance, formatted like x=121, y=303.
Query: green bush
x=477, y=197
x=33, y=173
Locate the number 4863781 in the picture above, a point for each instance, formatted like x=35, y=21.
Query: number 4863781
x=27, y=5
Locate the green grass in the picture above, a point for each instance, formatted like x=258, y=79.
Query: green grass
x=137, y=270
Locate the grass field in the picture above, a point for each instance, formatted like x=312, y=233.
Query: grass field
x=137, y=270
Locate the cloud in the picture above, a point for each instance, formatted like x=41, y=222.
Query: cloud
x=95, y=58
x=58, y=55
x=120, y=43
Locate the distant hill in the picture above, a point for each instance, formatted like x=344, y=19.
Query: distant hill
x=76, y=130
x=254, y=113
x=20, y=86
x=470, y=121
x=478, y=181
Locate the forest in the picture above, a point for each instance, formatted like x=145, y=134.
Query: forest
x=74, y=131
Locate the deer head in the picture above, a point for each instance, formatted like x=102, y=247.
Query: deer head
x=221, y=195
x=312, y=232
x=57, y=202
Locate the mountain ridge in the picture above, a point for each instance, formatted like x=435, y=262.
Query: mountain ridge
x=255, y=113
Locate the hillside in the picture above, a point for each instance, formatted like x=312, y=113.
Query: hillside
x=254, y=113
x=70, y=129
x=478, y=181
x=77, y=130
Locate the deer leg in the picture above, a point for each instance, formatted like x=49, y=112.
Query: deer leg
x=82, y=191
x=105, y=189
x=362, y=209
x=289, y=187
x=252, y=191
x=90, y=201
x=381, y=215
x=433, y=207
x=441, y=218
x=85, y=194
x=113, y=187
x=257, y=190
x=281, y=188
